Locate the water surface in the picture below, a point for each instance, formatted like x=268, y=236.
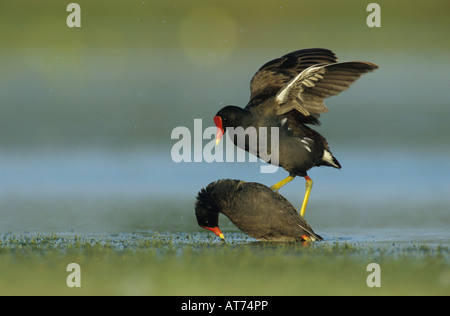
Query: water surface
x=139, y=190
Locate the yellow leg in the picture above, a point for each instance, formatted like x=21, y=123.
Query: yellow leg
x=308, y=184
x=282, y=183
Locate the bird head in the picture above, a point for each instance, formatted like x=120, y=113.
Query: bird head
x=231, y=116
x=207, y=213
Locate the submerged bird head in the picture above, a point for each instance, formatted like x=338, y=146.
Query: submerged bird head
x=229, y=116
x=208, y=219
x=207, y=208
x=211, y=201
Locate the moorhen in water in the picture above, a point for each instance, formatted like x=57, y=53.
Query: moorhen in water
x=289, y=93
x=254, y=208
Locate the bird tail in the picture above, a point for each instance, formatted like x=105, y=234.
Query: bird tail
x=329, y=160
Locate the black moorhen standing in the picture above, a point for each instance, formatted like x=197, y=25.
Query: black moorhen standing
x=289, y=93
x=254, y=208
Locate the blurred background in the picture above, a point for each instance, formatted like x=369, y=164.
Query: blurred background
x=86, y=114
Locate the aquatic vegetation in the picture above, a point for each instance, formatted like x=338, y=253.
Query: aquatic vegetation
x=179, y=264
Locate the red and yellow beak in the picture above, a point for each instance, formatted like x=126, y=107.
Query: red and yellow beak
x=220, y=130
x=215, y=230
x=306, y=238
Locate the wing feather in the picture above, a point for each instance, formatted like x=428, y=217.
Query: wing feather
x=275, y=74
x=306, y=92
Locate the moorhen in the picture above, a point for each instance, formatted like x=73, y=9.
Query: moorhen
x=254, y=208
x=289, y=93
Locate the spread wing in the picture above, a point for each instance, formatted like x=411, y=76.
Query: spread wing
x=275, y=74
x=305, y=93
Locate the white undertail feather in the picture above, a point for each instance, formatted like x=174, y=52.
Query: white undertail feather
x=328, y=157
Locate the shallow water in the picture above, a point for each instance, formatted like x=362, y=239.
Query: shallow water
x=404, y=200
x=84, y=114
